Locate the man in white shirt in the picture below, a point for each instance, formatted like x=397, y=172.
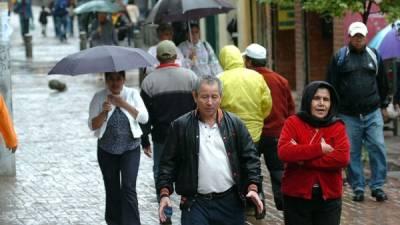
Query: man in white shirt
x=211, y=161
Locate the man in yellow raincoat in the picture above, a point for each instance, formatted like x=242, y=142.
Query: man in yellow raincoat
x=245, y=91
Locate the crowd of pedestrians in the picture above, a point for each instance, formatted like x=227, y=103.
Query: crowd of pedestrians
x=211, y=118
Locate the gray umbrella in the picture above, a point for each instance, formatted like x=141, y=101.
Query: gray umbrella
x=185, y=10
x=102, y=59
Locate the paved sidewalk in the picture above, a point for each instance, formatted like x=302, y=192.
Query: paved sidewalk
x=58, y=179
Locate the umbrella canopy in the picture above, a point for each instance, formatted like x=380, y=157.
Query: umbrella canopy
x=102, y=59
x=387, y=41
x=185, y=10
x=97, y=6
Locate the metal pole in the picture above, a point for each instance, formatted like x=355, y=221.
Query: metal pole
x=83, y=40
x=7, y=159
x=28, y=45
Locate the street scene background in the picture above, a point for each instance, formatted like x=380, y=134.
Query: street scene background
x=58, y=179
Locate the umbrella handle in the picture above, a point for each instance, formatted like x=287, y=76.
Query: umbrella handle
x=191, y=39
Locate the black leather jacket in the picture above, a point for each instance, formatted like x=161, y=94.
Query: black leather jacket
x=180, y=158
x=360, y=89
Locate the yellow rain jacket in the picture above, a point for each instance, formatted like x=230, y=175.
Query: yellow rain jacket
x=6, y=126
x=245, y=91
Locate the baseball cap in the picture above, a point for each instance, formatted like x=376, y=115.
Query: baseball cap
x=357, y=28
x=255, y=51
x=166, y=49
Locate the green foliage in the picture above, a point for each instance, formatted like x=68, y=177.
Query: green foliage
x=339, y=7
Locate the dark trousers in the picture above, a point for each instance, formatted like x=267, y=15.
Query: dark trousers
x=317, y=211
x=227, y=210
x=268, y=146
x=119, y=175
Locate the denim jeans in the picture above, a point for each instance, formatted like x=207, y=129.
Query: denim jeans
x=366, y=130
x=119, y=174
x=227, y=210
x=61, y=23
x=157, y=152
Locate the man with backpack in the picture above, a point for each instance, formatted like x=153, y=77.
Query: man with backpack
x=357, y=72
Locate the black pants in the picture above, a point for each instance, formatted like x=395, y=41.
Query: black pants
x=317, y=211
x=119, y=174
x=268, y=146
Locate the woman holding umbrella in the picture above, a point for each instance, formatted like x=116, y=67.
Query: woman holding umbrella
x=115, y=113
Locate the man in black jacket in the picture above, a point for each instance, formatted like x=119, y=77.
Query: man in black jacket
x=358, y=74
x=212, y=160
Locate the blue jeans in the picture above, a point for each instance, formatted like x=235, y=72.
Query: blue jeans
x=157, y=152
x=61, y=23
x=119, y=175
x=227, y=210
x=367, y=130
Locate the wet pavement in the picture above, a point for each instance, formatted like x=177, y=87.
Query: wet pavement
x=58, y=179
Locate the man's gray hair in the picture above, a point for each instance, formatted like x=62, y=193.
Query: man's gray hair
x=210, y=80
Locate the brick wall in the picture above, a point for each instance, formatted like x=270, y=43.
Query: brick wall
x=285, y=56
x=320, y=47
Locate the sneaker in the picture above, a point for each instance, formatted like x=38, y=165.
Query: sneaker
x=379, y=195
x=358, y=196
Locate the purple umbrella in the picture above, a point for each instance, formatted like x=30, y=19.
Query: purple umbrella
x=387, y=41
x=102, y=59
x=185, y=10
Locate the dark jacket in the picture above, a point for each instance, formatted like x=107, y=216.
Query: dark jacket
x=360, y=89
x=167, y=94
x=179, y=161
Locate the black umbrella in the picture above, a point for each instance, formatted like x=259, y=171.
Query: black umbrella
x=185, y=10
x=102, y=59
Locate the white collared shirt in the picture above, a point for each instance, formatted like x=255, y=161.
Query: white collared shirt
x=130, y=95
x=214, y=169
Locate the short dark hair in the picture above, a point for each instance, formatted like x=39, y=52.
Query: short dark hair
x=207, y=79
x=257, y=62
x=108, y=74
x=164, y=27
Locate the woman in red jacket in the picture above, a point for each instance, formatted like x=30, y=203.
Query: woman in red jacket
x=314, y=148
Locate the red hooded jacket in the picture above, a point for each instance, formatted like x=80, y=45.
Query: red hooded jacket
x=300, y=149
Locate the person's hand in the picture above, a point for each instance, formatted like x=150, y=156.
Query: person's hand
x=326, y=148
x=99, y=30
x=164, y=202
x=107, y=106
x=117, y=100
x=192, y=55
x=147, y=151
x=256, y=200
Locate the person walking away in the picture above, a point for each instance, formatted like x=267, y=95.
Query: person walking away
x=60, y=12
x=102, y=31
x=165, y=32
x=7, y=128
x=357, y=73
x=210, y=159
x=167, y=94
x=315, y=149
x=114, y=115
x=43, y=20
x=282, y=107
x=199, y=55
x=24, y=10
x=245, y=92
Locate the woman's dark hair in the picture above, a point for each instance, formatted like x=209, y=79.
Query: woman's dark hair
x=108, y=74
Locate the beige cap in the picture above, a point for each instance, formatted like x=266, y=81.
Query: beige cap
x=166, y=49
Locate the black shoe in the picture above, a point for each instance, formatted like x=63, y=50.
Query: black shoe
x=379, y=194
x=358, y=196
